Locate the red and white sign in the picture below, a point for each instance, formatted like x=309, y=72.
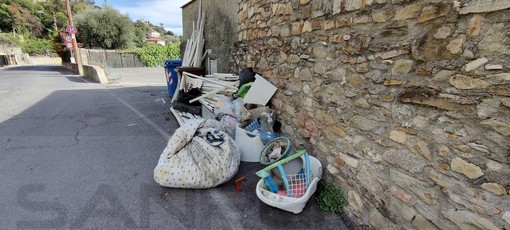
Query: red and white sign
x=68, y=38
x=170, y=78
x=69, y=45
x=70, y=29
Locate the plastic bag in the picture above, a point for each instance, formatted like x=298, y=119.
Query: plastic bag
x=265, y=117
x=221, y=101
x=235, y=109
x=246, y=75
x=229, y=123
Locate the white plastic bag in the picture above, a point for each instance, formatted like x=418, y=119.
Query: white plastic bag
x=234, y=108
x=229, y=123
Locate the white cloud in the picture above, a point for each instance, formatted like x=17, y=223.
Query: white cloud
x=158, y=11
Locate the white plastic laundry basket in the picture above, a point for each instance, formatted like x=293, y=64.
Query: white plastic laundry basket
x=294, y=205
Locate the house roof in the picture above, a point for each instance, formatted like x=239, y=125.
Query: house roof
x=155, y=39
x=187, y=4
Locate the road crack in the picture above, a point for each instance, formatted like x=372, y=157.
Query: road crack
x=85, y=125
x=17, y=135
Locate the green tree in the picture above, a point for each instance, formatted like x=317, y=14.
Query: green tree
x=90, y=2
x=77, y=7
x=57, y=9
x=61, y=20
x=6, y=21
x=104, y=28
x=23, y=19
x=141, y=29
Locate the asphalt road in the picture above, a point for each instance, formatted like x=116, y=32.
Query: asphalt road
x=76, y=154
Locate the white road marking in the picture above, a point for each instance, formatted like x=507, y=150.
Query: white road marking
x=139, y=114
x=143, y=117
x=220, y=199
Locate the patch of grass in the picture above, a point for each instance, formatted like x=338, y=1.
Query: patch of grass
x=331, y=198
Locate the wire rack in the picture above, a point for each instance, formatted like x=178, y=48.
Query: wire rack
x=297, y=185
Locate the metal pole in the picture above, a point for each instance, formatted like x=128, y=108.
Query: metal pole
x=77, y=57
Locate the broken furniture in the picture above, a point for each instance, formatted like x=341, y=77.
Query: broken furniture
x=212, y=88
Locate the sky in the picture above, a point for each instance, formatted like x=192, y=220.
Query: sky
x=167, y=12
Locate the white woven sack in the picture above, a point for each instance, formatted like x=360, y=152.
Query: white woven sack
x=190, y=161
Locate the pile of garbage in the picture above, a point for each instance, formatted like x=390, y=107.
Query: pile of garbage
x=225, y=119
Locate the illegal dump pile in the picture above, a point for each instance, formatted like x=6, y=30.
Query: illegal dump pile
x=225, y=119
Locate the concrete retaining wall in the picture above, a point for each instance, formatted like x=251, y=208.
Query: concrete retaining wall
x=110, y=58
x=91, y=72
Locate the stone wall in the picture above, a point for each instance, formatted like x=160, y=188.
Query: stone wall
x=12, y=55
x=406, y=103
x=220, y=28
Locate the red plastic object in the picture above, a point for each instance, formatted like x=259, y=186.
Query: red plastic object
x=238, y=183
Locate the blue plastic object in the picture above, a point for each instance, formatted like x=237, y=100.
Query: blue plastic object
x=270, y=184
x=172, y=79
x=268, y=178
x=254, y=124
x=265, y=136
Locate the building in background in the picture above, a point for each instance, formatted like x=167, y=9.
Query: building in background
x=154, y=37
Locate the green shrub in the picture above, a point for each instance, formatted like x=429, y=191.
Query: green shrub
x=331, y=199
x=36, y=46
x=9, y=39
x=155, y=55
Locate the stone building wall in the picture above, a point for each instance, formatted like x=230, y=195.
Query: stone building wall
x=220, y=28
x=406, y=103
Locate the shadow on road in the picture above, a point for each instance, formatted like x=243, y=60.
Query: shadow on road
x=82, y=158
x=42, y=68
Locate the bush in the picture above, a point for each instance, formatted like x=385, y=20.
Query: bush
x=331, y=199
x=10, y=39
x=155, y=55
x=36, y=46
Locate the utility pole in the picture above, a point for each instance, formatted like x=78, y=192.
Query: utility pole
x=77, y=57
